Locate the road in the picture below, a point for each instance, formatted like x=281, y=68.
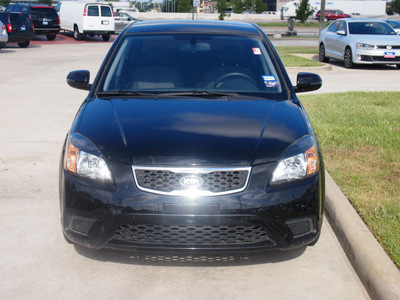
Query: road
x=36, y=263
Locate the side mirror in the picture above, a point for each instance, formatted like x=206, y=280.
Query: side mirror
x=307, y=82
x=79, y=80
x=341, y=32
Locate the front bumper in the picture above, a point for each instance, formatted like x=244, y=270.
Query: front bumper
x=379, y=56
x=120, y=216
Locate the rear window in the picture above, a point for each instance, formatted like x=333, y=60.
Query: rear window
x=42, y=12
x=93, y=11
x=106, y=11
x=19, y=19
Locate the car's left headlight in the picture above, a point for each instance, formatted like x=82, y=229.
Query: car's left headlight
x=300, y=161
x=363, y=46
x=82, y=158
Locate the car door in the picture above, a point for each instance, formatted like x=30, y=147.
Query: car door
x=329, y=37
x=340, y=41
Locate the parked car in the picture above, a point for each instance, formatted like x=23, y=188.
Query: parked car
x=3, y=35
x=192, y=138
x=44, y=18
x=85, y=18
x=268, y=12
x=247, y=12
x=332, y=14
x=122, y=19
x=395, y=25
x=19, y=28
x=360, y=41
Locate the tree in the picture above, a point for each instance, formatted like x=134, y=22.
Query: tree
x=260, y=6
x=305, y=10
x=222, y=6
x=48, y=2
x=237, y=6
x=185, y=6
x=5, y=2
x=396, y=6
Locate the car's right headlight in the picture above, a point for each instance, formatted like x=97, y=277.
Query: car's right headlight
x=82, y=158
x=363, y=46
x=299, y=161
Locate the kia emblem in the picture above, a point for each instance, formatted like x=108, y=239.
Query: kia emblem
x=191, y=181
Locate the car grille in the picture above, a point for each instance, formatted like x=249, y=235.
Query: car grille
x=191, y=181
x=385, y=47
x=381, y=58
x=190, y=235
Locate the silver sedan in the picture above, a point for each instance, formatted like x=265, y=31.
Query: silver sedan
x=360, y=41
x=3, y=35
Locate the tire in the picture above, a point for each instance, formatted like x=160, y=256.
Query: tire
x=106, y=37
x=77, y=35
x=315, y=241
x=348, y=58
x=51, y=37
x=24, y=44
x=398, y=66
x=67, y=239
x=322, y=57
x=326, y=20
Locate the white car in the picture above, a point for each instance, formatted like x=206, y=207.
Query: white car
x=3, y=35
x=360, y=41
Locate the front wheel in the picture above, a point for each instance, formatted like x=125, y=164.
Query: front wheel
x=348, y=59
x=24, y=44
x=398, y=66
x=106, y=37
x=322, y=57
x=77, y=35
x=326, y=20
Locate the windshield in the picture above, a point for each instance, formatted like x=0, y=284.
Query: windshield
x=160, y=63
x=370, y=28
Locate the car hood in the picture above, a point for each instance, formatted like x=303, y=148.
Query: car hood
x=376, y=39
x=192, y=132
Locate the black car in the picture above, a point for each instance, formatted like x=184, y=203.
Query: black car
x=44, y=18
x=19, y=28
x=192, y=138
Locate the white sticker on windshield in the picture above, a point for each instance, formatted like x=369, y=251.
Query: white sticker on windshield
x=270, y=81
x=257, y=51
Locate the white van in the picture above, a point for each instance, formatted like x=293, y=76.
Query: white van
x=86, y=18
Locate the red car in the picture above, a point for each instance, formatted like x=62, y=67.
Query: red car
x=332, y=14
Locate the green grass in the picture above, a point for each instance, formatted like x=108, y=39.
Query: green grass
x=290, y=60
x=360, y=138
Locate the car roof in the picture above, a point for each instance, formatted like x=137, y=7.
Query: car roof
x=197, y=26
x=355, y=20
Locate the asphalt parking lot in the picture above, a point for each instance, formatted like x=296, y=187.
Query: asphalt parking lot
x=35, y=262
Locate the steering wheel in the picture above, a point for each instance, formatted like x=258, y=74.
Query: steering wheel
x=242, y=76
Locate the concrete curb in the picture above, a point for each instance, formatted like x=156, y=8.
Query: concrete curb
x=377, y=272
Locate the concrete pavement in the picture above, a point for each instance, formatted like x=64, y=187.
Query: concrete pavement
x=35, y=261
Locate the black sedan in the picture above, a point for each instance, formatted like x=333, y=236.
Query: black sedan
x=192, y=138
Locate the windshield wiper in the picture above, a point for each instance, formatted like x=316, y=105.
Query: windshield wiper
x=123, y=93
x=199, y=93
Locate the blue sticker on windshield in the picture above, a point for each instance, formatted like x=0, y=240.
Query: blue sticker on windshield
x=270, y=81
